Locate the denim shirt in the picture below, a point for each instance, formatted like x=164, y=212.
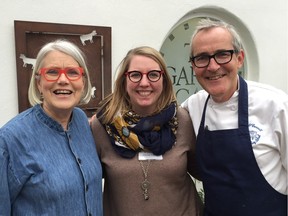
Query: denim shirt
x=46, y=170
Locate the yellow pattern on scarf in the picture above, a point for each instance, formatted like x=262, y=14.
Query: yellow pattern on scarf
x=130, y=139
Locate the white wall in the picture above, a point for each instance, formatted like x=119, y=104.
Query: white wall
x=142, y=22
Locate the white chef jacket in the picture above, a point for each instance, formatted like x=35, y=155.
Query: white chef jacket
x=268, y=126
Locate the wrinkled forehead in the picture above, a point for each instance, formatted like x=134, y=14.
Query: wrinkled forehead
x=58, y=59
x=210, y=40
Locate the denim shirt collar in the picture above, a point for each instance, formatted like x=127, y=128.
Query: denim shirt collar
x=47, y=120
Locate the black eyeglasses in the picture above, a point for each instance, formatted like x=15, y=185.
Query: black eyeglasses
x=221, y=57
x=136, y=76
x=53, y=74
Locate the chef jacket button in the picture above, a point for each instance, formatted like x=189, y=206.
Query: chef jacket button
x=233, y=108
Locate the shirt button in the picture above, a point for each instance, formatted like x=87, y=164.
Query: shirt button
x=86, y=188
x=89, y=214
x=79, y=160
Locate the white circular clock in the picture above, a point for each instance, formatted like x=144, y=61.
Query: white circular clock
x=176, y=51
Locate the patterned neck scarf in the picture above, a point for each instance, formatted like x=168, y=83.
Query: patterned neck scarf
x=129, y=133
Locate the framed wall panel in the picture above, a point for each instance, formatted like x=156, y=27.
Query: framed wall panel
x=94, y=41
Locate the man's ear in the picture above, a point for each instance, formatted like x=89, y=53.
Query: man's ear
x=240, y=58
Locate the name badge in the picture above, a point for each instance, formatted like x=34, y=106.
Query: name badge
x=149, y=156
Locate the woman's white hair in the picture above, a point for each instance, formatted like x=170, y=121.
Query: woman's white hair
x=68, y=48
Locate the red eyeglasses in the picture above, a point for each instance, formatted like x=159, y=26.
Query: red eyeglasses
x=53, y=74
x=136, y=76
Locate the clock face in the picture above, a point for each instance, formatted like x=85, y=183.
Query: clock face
x=176, y=51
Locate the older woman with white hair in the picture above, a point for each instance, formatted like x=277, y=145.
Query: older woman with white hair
x=48, y=159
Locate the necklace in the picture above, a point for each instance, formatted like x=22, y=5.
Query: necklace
x=145, y=184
